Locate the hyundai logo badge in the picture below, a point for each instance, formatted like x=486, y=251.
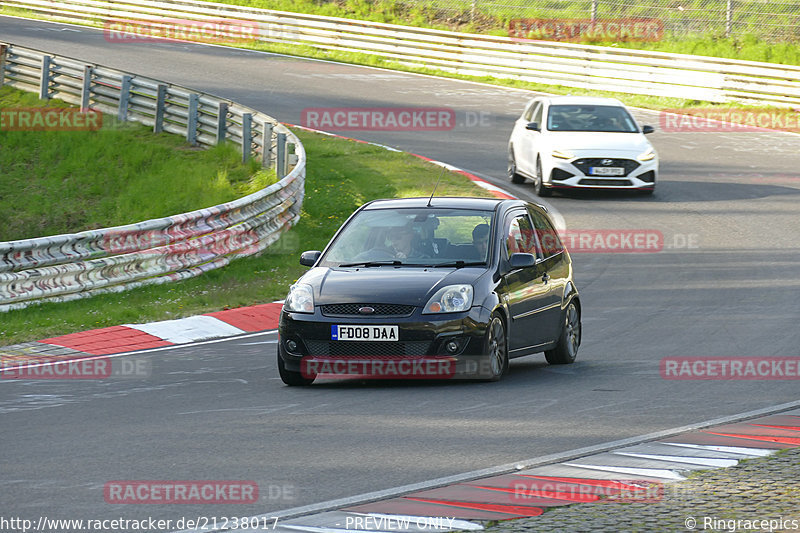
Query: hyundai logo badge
x=607, y=162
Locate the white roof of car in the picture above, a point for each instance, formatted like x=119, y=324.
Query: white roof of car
x=583, y=100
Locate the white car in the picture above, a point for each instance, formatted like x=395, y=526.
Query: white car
x=581, y=143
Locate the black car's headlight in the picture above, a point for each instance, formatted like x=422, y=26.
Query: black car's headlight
x=450, y=299
x=300, y=299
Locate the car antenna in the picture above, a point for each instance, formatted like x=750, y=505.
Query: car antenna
x=435, y=186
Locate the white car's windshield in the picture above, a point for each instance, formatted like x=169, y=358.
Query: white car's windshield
x=414, y=237
x=590, y=118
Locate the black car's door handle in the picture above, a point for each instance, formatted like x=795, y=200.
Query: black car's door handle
x=546, y=277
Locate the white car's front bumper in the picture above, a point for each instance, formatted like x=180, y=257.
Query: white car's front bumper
x=577, y=173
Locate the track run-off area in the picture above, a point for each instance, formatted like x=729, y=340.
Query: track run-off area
x=724, y=284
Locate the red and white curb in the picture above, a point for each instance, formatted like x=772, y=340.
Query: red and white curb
x=134, y=337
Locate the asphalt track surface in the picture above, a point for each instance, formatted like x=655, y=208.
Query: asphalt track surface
x=217, y=411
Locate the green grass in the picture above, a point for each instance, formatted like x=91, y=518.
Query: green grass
x=62, y=182
x=342, y=175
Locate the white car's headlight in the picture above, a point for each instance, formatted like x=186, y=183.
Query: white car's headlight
x=647, y=156
x=450, y=299
x=300, y=299
x=562, y=154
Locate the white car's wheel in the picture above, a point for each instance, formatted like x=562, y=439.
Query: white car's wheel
x=512, y=168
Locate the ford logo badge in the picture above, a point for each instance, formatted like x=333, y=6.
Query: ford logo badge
x=366, y=310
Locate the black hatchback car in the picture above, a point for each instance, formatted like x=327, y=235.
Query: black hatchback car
x=431, y=288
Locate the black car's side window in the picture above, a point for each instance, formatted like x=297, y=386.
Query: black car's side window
x=549, y=243
x=519, y=236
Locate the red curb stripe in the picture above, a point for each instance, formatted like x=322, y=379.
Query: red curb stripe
x=531, y=493
x=792, y=441
x=787, y=428
x=256, y=318
x=513, y=510
x=105, y=341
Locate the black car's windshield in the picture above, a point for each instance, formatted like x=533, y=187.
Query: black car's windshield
x=412, y=237
x=590, y=118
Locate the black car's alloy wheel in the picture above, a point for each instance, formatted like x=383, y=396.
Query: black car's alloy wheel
x=567, y=348
x=497, y=349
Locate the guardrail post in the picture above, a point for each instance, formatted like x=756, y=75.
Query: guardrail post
x=191, y=123
x=222, y=121
x=124, y=98
x=266, y=147
x=44, y=83
x=247, y=136
x=594, y=10
x=3, y=52
x=86, y=90
x=280, y=166
x=291, y=158
x=161, y=99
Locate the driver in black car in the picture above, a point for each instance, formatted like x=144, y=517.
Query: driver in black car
x=400, y=238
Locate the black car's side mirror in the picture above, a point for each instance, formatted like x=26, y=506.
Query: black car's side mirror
x=520, y=260
x=648, y=129
x=533, y=126
x=310, y=257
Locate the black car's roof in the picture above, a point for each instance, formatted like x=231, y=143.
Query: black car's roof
x=451, y=202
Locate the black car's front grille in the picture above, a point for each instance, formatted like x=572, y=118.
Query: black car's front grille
x=604, y=183
x=588, y=162
x=366, y=349
x=379, y=310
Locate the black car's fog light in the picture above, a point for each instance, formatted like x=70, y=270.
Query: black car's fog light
x=452, y=346
x=291, y=346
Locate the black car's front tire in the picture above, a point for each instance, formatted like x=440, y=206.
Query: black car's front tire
x=496, y=349
x=290, y=377
x=567, y=348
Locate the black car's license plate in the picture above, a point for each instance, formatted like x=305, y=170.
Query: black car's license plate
x=363, y=333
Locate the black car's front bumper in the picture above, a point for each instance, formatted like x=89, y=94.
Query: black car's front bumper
x=305, y=344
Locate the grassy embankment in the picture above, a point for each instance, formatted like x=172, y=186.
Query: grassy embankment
x=56, y=182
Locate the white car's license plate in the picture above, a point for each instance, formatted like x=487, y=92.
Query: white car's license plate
x=607, y=171
x=363, y=333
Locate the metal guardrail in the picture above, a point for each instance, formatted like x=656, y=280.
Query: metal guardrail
x=571, y=65
x=67, y=267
